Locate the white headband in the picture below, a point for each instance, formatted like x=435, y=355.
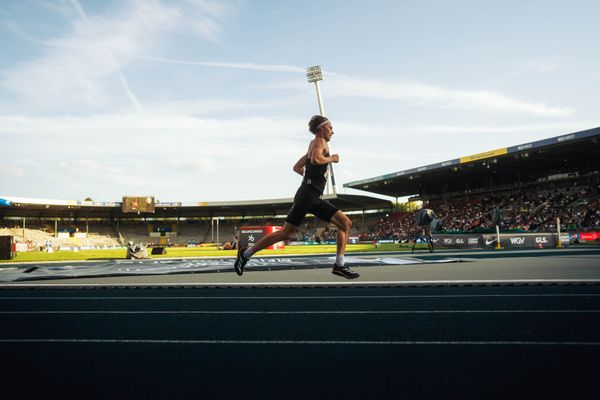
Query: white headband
x=322, y=123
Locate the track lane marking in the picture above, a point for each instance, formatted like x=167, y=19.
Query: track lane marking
x=253, y=312
x=306, y=342
x=296, y=297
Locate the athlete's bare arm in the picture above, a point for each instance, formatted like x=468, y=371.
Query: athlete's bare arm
x=299, y=166
x=318, y=151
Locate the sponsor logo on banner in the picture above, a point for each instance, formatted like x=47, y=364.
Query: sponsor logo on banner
x=507, y=240
x=591, y=236
x=457, y=240
x=534, y=240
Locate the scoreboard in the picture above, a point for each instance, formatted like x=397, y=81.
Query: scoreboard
x=138, y=204
x=252, y=234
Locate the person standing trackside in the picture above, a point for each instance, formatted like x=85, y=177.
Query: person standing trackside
x=312, y=166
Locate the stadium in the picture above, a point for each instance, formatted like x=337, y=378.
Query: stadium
x=547, y=194
x=546, y=190
x=171, y=225
x=548, y=187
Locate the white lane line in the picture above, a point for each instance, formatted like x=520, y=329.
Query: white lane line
x=350, y=312
x=297, y=297
x=331, y=284
x=311, y=342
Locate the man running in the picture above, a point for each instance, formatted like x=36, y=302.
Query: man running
x=312, y=166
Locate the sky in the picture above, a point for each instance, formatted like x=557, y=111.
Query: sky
x=201, y=100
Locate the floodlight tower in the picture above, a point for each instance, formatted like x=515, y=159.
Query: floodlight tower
x=314, y=75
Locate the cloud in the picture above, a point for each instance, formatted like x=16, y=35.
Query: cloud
x=13, y=170
x=79, y=69
x=410, y=92
x=109, y=56
x=188, y=165
x=182, y=158
x=422, y=94
x=539, y=66
x=238, y=65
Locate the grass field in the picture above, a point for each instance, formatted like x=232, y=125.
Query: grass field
x=183, y=252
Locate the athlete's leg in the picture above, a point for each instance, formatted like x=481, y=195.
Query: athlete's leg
x=343, y=224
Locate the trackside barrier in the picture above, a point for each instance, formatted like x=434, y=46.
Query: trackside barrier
x=507, y=240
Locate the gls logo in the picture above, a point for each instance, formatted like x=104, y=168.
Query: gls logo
x=460, y=241
x=541, y=240
x=517, y=240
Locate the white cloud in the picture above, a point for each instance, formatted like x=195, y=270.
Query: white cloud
x=539, y=66
x=423, y=94
x=183, y=158
x=410, y=92
x=235, y=65
x=188, y=165
x=81, y=68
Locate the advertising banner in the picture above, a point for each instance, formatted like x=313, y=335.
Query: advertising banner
x=460, y=241
x=589, y=236
x=522, y=240
x=507, y=240
x=249, y=235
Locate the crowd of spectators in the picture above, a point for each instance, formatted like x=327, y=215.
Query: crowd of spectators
x=577, y=208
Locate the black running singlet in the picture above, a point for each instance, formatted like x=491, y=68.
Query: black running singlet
x=314, y=175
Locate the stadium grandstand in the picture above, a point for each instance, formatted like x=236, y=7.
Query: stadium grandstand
x=534, y=185
x=92, y=224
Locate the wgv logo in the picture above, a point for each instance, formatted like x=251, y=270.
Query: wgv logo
x=517, y=240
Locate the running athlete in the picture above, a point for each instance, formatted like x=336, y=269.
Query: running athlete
x=312, y=166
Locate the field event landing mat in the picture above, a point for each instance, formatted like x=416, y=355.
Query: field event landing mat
x=38, y=271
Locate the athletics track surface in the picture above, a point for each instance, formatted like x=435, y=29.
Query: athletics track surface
x=349, y=342
x=526, y=325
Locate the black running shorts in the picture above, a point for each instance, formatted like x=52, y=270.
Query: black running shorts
x=308, y=200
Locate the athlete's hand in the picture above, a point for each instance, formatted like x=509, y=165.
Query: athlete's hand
x=335, y=158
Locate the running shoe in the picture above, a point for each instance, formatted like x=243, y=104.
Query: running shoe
x=344, y=271
x=240, y=261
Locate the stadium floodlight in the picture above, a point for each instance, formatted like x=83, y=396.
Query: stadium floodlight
x=314, y=75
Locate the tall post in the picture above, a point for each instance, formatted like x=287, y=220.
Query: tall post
x=314, y=75
x=558, y=241
x=498, y=246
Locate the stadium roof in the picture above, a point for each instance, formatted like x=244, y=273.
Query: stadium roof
x=528, y=162
x=47, y=208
